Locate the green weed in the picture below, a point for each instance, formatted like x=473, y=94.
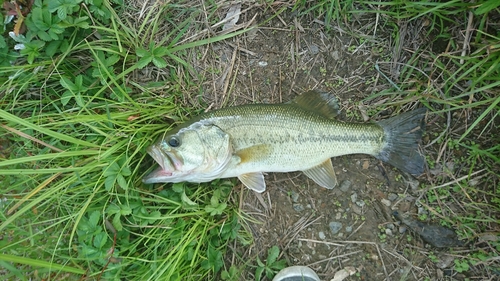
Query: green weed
x=74, y=201
x=271, y=266
x=232, y=275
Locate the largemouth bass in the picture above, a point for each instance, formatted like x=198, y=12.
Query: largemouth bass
x=249, y=140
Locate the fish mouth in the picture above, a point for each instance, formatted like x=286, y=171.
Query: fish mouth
x=166, y=169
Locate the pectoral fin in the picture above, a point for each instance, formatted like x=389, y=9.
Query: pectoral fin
x=253, y=153
x=323, y=174
x=254, y=181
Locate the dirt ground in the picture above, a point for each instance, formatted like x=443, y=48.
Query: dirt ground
x=351, y=225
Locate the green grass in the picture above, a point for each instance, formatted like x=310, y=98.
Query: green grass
x=77, y=129
x=75, y=123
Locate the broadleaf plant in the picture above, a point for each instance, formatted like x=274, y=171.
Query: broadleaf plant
x=64, y=7
x=154, y=54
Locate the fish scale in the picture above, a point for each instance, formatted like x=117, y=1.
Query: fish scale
x=291, y=119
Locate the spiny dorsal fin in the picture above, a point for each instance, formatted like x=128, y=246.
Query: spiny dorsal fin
x=323, y=103
x=323, y=174
x=254, y=181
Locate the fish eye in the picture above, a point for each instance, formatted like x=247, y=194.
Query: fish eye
x=174, y=142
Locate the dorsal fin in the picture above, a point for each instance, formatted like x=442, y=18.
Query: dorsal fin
x=323, y=103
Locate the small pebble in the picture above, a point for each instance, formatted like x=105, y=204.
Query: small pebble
x=392, y=196
x=314, y=49
x=354, y=197
x=335, y=227
x=262, y=63
x=348, y=228
x=321, y=235
x=335, y=55
x=298, y=207
x=444, y=261
x=413, y=183
x=388, y=231
x=295, y=196
x=402, y=229
x=305, y=257
x=439, y=274
x=390, y=225
x=360, y=203
x=345, y=185
x=422, y=211
x=357, y=210
x=386, y=202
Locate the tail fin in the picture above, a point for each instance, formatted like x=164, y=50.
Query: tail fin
x=402, y=135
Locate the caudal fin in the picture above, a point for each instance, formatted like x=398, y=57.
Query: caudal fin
x=402, y=137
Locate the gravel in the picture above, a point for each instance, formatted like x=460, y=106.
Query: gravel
x=335, y=227
x=345, y=185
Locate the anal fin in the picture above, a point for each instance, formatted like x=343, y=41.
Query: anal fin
x=323, y=174
x=254, y=181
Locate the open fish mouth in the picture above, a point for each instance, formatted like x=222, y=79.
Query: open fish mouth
x=165, y=170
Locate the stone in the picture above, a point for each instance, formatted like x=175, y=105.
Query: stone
x=392, y=196
x=298, y=207
x=262, y=63
x=335, y=55
x=386, y=202
x=360, y=203
x=335, y=227
x=354, y=197
x=314, y=49
x=402, y=229
x=345, y=185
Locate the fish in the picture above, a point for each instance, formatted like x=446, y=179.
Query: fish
x=247, y=141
